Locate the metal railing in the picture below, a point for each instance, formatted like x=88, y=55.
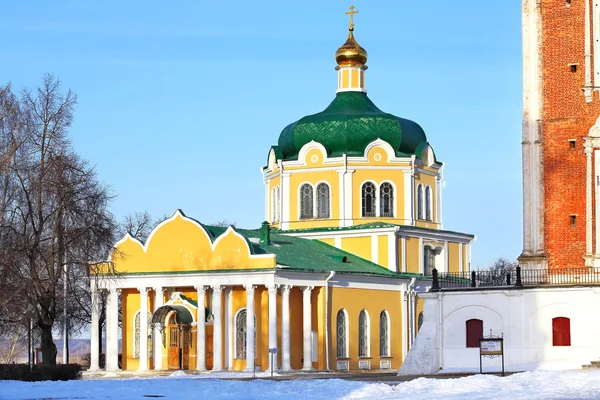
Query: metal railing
x=515, y=278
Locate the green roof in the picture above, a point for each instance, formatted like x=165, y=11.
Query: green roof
x=373, y=225
x=300, y=254
x=347, y=126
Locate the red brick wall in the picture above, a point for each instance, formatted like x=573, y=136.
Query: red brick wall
x=566, y=115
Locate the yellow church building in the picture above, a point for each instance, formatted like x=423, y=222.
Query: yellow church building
x=353, y=209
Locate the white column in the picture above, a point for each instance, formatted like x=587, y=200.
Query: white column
x=143, y=329
x=404, y=258
x=201, y=330
x=589, y=259
x=307, y=323
x=272, y=324
x=250, y=327
x=95, y=330
x=218, y=330
x=285, y=327
x=285, y=199
x=229, y=328
x=112, y=331
x=158, y=345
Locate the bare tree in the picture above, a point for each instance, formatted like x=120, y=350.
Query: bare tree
x=55, y=213
x=138, y=225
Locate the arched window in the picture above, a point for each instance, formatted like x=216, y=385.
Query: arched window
x=428, y=204
x=474, y=332
x=137, y=333
x=240, y=334
x=368, y=199
x=420, y=201
x=363, y=334
x=322, y=201
x=341, y=334
x=306, y=201
x=561, y=331
x=420, y=321
x=384, y=334
x=428, y=260
x=386, y=200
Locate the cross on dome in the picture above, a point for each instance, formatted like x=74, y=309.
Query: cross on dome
x=351, y=13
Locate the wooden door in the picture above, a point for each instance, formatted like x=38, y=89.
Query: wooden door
x=185, y=347
x=173, y=353
x=209, y=350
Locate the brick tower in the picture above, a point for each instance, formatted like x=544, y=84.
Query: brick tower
x=561, y=133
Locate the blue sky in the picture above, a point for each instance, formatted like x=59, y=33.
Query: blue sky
x=179, y=102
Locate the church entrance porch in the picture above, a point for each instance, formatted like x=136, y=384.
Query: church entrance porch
x=176, y=334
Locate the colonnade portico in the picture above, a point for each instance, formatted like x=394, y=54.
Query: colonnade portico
x=223, y=345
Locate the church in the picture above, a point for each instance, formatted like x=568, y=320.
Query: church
x=330, y=281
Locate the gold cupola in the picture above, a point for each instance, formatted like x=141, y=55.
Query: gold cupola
x=351, y=59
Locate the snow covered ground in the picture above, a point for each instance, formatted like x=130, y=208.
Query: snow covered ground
x=527, y=385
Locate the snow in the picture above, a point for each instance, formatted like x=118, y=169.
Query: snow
x=527, y=385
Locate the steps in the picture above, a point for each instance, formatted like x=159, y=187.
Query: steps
x=592, y=365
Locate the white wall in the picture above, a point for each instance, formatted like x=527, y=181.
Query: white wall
x=522, y=316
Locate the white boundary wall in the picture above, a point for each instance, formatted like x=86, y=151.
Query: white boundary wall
x=522, y=316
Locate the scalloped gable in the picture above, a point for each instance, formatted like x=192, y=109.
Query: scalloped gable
x=183, y=244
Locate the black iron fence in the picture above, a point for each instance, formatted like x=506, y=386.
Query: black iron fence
x=518, y=278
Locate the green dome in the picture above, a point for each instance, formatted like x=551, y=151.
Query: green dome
x=347, y=126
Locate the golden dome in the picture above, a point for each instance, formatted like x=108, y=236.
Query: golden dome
x=351, y=52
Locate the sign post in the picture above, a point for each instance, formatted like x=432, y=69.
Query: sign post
x=491, y=347
x=272, y=353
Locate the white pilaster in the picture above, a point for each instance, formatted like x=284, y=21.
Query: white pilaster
x=143, y=329
x=285, y=327
x=285, y=199
x=533, y=255
x=375, y=249
x=349, y=197
x=307, y=324
x=201, y=329
x=404, y=299
x=589, y=258
x=392, y=252
x=229, y=329
x=421, y=260
x=342, y=184
x=218, y=329
x=409, y=196
x=95, y=330
x=112, y=330
x=250, y=327
x=438, y=197
x=272, y=324
x=404, y=258
x=587, y=88
x=158, y=346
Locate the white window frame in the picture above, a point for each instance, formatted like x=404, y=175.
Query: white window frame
x=376, y=196
x=366, y=335
x=337, y=335
x=316, y=200
x=388, y=349
x=393, y=205
x=420, y=201
x=428, y=204
x=300, y=197
x=235, y=335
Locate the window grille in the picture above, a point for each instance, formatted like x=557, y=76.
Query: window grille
x=420, y=202
x=428, y=260
x=368, y=200
x=137, y=333
x=341, y=335
x=306, y=201
x=363, y=334
x=384, y=334
x=386, y=200
x=323, y=201
x=273, y=205
x=240, y=335
x=428, y=204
